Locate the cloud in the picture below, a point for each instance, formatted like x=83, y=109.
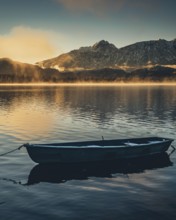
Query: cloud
x=104, y=6
x=93, y=6
x=27, y=45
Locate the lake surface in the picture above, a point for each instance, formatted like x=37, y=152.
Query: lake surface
x=144, y=190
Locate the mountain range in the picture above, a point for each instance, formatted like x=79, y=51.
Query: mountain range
x=106, y=55
x=102, y=62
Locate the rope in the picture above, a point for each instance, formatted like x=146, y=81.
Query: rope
x=173, y=147
x=12, y=151
x=172, y=151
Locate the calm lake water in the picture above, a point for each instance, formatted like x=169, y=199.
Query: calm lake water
x=144, y=190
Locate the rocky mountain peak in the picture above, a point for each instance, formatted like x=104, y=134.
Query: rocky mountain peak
x=103, y=45
x=105, y=55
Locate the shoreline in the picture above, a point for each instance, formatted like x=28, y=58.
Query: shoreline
x=92, y=84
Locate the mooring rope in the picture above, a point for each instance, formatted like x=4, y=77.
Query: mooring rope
x=18, y=148
x=173, y=147
x=173, y=150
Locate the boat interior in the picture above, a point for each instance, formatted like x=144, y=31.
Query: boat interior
x=116, y=142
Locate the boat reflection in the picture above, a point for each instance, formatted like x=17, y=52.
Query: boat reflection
x=60, y=173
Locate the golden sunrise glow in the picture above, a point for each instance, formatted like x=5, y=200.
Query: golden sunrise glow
x=28, y=122
x=27, y=45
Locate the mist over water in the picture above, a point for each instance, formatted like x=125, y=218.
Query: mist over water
x=58, y=114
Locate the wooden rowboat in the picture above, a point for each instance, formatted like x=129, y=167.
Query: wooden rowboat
x=103, y=150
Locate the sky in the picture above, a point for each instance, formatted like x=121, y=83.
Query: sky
x=35, y=30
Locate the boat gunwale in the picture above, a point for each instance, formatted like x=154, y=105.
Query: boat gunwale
x=73, y=146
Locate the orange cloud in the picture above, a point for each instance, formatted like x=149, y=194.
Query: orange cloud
x=27, y=45
x=93, y=6
x=100, y=7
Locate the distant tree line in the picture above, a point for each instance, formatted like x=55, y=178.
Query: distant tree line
x=13, y=72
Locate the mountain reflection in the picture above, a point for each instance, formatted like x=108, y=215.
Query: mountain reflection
x=99, y=103
x=60, y=173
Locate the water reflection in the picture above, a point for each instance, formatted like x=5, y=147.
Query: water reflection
x=101, y=102
x=60, y=173
x=59, y=114
x=35, y=113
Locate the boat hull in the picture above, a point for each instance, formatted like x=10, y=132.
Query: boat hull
x=65, y=153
